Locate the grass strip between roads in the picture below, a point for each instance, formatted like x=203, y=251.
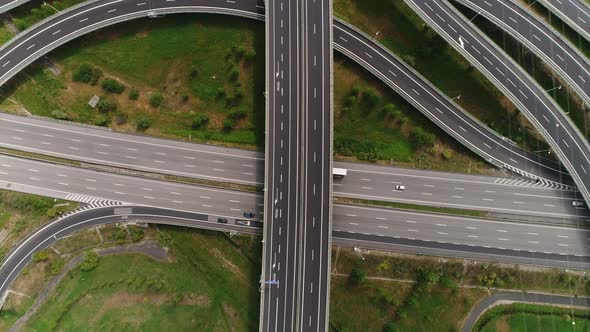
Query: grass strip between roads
x=406, y=206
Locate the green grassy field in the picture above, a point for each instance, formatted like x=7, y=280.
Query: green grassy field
x=532, y=323
x=209, y=286
x=523, y=317
x=398, y=28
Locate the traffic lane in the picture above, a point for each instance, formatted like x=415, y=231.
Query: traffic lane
x=536, y=104
x=430, y=248
x=81, y=185
x=20, y=255
x=316, y=222
x=475, y=195
x=575, y=11
x=546, y=41
x=466, y=231
x=441, y=109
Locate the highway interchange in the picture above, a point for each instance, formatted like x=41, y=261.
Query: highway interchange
x=546, y=244
x=554, y=125
x=39, y=40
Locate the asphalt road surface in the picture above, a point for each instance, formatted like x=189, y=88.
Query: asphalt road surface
x=76, y=21
x=283, y=169
x=103, y=147
x=558, y=130
x=543, y=40
x=575, y=13
x=95, y=187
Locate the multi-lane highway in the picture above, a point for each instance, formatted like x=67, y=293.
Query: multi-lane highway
x=93, y=215
x=543, y=40
x=283, y=168
x=495, y=194
x=89, y=186
x=315, y=224
x=565, y=139
x=576, y=13
x=39, y=40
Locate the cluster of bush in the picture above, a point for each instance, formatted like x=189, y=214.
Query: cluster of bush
x=87, y=73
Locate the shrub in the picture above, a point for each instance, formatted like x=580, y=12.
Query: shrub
x=59, y=114
x=121, y=119
x=56, y=211
x=193, y=73
x=390, y=110
x=200, y=121
x=164, y=239
x=357, y=276
x=350, y=101
x=137, y=234
x=237, y=115
x=87, y=73
x=133, y=94
x=423, y=138
x=220, y=93
x=447, y=154
x=228, y=124
x=105, y=106
x=102, y=121
x=57, y=266
x=184, y=98
x=90, y=261
x=355, y=91
x=40, y=256
x=371, y=98
x=143, y=123
x=120, y=235
x=234, y=74
x=157, y=99
x=113, y=86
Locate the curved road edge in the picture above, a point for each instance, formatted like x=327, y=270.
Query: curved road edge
x=567, y=8
x=522, y=297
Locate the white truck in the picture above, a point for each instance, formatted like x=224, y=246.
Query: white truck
x=339, y=172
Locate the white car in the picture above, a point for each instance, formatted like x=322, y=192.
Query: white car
x=577, y=203
x=400, y=187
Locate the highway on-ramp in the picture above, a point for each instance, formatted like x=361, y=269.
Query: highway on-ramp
x=76, y=21
x=559, y=131
x=547, y=43
x=576, y=13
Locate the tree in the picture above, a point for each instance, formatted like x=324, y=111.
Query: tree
x=87, y=73
x=422, y=137
x=357, y=276
x=371, y=98
x=234, y=74
x=157, y=99
x=237, y=115
x=90, y=261
x=57, y=266
x=112, y=86
x=137, y=234
x=228, y=124
x=200, y=121
x=143, y=123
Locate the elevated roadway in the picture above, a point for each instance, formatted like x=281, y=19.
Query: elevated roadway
x=544, y=41
x=76, y=21
x=565, y=139
x=575, y=13
x=283, y=167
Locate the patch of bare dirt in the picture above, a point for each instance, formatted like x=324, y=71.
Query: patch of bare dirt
x=228, y=264
x=502, y=325
x=196, y=299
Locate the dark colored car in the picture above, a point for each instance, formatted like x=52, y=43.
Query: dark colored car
x=222, y=220
x=249, y=214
